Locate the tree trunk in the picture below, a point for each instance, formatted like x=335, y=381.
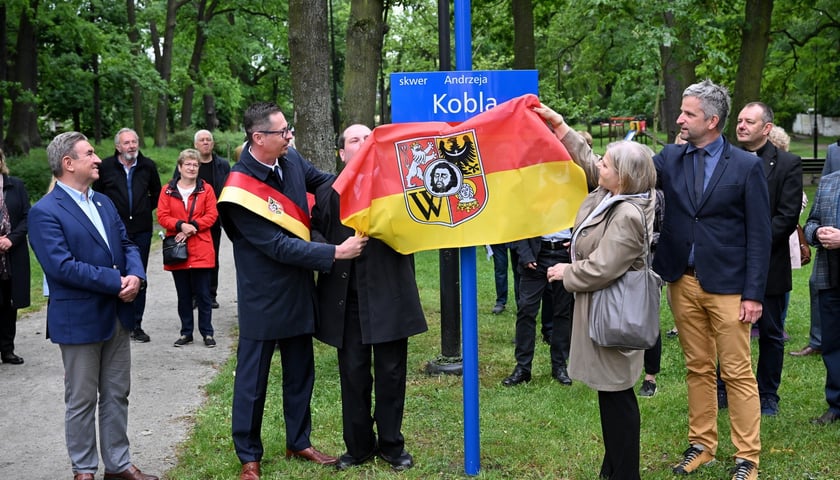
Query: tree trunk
x=678, y=72
x=4, y=41
x=524, y=50
x=23, y=123
x=203, y=16
x=310, y=54
x=211, y=119
x=136, y=91
x=754, y=40
x=97, y=101
x=163, y=64
x=365, y=29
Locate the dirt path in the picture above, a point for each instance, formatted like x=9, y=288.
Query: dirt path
x=166, y=384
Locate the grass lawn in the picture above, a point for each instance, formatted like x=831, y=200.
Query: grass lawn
x=539, y=430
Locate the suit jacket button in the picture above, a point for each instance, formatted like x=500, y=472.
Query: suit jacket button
x=341, y=303
x=343, y=274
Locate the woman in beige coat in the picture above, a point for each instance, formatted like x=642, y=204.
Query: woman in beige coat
x=608, y=240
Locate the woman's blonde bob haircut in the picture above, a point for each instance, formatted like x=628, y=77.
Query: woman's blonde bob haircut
x=634, y=164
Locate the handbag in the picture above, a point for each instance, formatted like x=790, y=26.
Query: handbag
x=625, y=314
x=804, y=248
x=174, y=252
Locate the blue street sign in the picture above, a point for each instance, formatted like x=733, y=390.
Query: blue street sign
x=455, y=96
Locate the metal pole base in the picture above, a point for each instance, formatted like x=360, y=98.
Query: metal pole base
x=445, y=366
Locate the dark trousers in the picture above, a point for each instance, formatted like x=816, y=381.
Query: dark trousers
x=771, y=346
x=8, y=318
x=829, y=308
x=216, y=234
x=532, y=285
x=357, y=383
x=143, y=240
x=253, y=363
x=194, y=283
x=653, y=357
x=500, y=272
x=621, y=428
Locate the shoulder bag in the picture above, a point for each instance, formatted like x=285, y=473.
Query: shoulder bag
x=175, y=252
x=625, y=314
x=804, y=248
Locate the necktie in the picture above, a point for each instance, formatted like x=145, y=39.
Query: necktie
x=279, y=174
x=699, y=172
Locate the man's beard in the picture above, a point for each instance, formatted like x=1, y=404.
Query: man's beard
x=130, y=156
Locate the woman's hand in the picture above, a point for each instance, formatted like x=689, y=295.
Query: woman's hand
x=5, y=244
x=187, y=230
x=556, y=272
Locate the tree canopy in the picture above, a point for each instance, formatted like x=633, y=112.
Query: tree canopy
x=164, y=66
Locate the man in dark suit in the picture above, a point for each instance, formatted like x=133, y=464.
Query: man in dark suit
x=265, y=213
x=368, y=308
x=783, y=171
x=714, y=251
x=94, y=272
x=132, y=181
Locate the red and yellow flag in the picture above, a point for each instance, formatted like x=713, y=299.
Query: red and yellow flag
x=498, y=177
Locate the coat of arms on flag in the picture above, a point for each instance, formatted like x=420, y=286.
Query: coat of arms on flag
x=443, y=178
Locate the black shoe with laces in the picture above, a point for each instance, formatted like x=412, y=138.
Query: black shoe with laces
x=744, y=470
x=183, y=340
x=769, y=407
x=209, y=341
x=138, y=335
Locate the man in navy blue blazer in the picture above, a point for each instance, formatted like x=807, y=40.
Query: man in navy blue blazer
x=264, y=211
x=94, y=272
x=714, y=251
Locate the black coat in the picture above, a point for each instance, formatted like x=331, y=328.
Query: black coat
x=784, y=184
x=17, y=202
x=389, y=302
x=145, y=191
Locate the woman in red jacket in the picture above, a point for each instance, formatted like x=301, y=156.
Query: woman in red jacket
x=187, y=210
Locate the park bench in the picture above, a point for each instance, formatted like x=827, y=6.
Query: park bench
x=813, y=167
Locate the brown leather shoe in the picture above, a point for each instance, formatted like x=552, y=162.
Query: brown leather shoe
x=130, y=473
x=84, y=476
x=807, y=351
x=250, y=471
x=312, y=455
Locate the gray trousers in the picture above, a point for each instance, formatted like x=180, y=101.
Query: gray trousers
x=815, y=334
x=97, y=373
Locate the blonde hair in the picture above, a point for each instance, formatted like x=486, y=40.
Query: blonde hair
x=634, y=164
x=189, y=153
x=4, y=169
x=779, y=137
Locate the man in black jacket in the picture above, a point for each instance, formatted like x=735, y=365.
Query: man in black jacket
x=369, y=306
x=783, y=171
x=132, y=181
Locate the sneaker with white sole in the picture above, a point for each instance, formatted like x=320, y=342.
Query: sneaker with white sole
x=209, y=341
x=693, y=458
x=744, y=470
x=183, y=340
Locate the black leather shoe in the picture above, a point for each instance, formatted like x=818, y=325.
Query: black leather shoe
x=562, y=376
x=518, y=376
x=826, y=418
x=401, y=462
x=346, y=460
x=11, y=358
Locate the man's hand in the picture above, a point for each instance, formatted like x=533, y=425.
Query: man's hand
x=750, y=311
x=829, y=237
x=351, y=248
x=130, y=288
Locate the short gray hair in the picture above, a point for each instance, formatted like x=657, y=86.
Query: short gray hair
x=64, y=144
x=714, y=100
x=123, y=130
x=195, y=137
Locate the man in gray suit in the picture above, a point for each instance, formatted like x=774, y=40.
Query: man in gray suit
x=814, y=347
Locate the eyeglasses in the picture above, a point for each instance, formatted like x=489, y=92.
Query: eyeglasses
x=282, y=132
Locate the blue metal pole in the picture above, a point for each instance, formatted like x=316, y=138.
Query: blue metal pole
x=469, y=296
